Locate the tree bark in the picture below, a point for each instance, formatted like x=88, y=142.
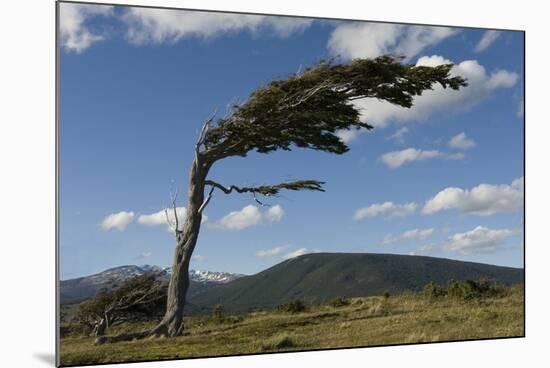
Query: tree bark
x=186, y=239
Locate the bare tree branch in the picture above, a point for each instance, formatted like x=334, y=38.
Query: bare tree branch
x=258, y=201
x=174, y=198
x=206, y=200
x=204, y=130
x=168, y=220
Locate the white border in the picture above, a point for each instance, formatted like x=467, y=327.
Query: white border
x=27, y=185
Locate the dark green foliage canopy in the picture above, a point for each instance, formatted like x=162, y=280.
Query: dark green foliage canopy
x=306, y=110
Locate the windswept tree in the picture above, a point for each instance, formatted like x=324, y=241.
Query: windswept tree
x=138, y=296
x=304, y=110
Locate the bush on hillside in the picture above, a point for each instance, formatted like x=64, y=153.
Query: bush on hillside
x=471, y=289
x=433, y=290
x=277, y=342
x=339, y=301
x=293, y=306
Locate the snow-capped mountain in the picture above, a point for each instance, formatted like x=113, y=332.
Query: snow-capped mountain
x=74, y=290
x=210, y=276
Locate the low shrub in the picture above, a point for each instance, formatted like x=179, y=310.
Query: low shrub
x=339, y=301
x=217, y=312
x=293, y=306
x=471, y=289
x=74, y=329
x=280, y=341
x=433, y=290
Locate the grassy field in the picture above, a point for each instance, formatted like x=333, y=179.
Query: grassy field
x=407, y=318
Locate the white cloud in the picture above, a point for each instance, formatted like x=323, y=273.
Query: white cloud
x=75, y=35
x=159, y=218
x=275, y=213
x=349, y=135
x=478, y=240
x=415, y=234
x=460, y=141
x=272, y=251
x=399, y=135
x=482, y=200
x=296, y=253
x=486, y=40
x=147, y=25
x=198, y=258
x=248, y=216
x=481, y=84
x=118, y=221
x=388, y=209
x=395, y=159
x=367, y=40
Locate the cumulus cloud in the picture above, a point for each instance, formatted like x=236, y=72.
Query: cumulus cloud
x=415, y=234
x=481, y=84
x=272, y=251
x=460, y=141
x=349, y=135
x=478, y=240
x=399, y=135
x=248, y=216
x=395, y=159
x=296, y=253
x=486, y=40
x=146, y=25
x=74, y=32
x=360, y=40
x=274, y=213
x=387, y=209
x=159, y=218
x=482, y=200
x=118, y=221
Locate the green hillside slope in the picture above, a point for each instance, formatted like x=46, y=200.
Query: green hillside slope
x=320, y=277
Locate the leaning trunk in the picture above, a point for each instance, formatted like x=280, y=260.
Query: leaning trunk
x=172, y=323
x=186, y=239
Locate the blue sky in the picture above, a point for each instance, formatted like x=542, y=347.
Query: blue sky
x=444, y=178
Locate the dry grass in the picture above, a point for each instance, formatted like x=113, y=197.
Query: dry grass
x=401, y=319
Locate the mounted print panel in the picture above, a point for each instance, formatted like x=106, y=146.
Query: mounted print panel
x=235, y=184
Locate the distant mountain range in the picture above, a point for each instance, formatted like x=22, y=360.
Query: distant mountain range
x=317, y=277
x=81, y=288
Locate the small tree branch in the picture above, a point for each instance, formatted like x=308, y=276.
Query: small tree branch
x=204, y=130
x=207, y=199
x=257, y=200
x=174, y=199
x=168, y=220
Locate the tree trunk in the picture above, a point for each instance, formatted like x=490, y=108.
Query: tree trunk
x=172, y=323
x=100, y=327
